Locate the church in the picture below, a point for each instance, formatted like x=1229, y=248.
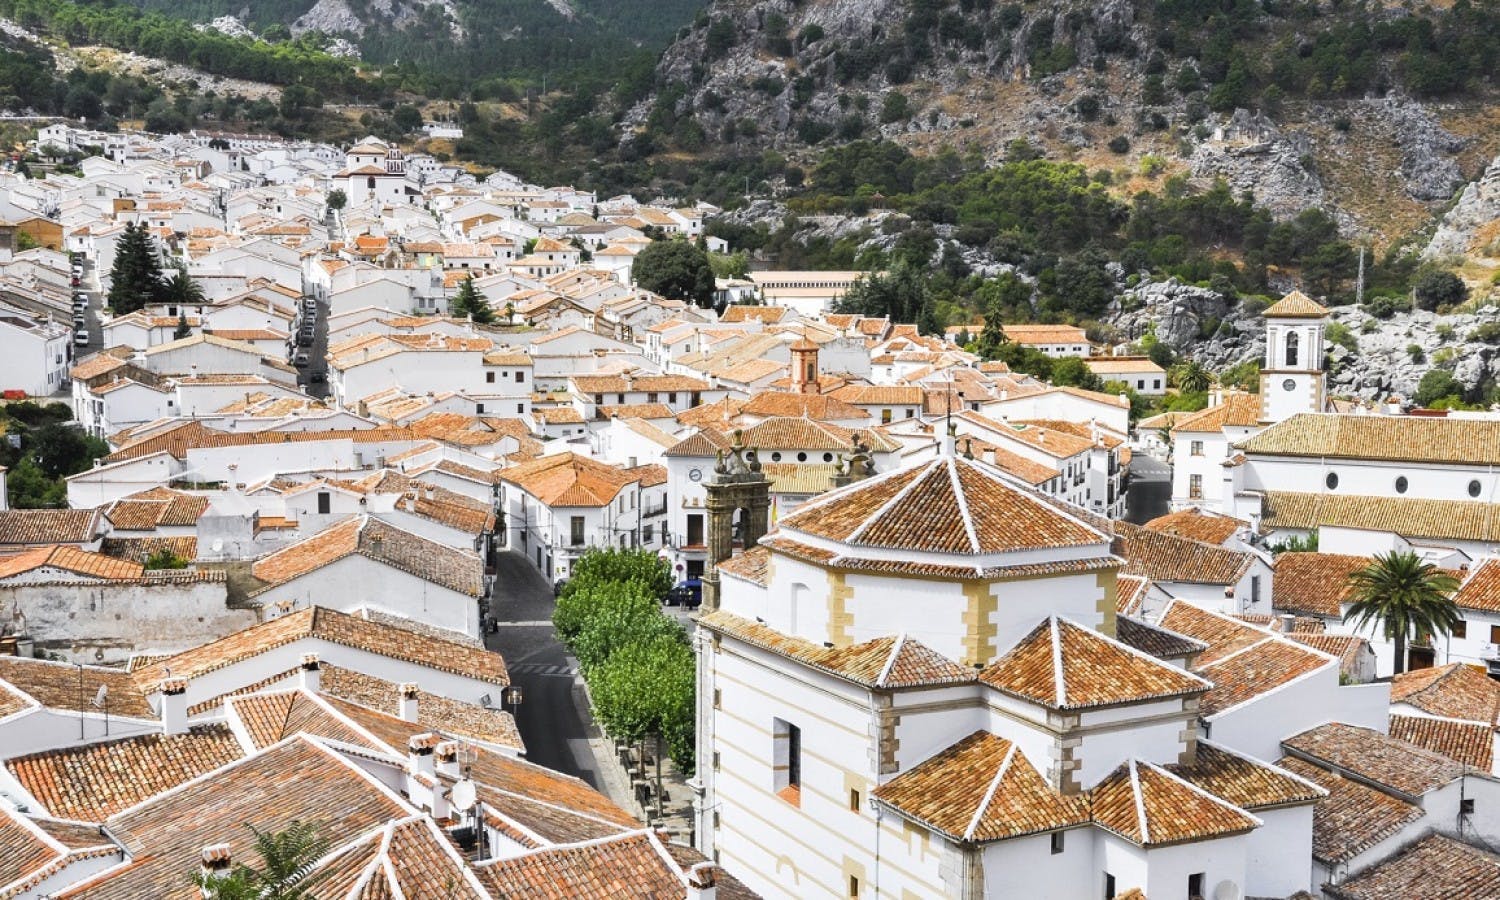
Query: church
x=925, y=683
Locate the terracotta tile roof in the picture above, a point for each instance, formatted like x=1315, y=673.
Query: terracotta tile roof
x=754, y=565
x=633, y=411
x=1223, y=634
x=821, y=407
x=1130, y=590
x=434, y=712
x=92, y=782
x=1481, y=590
x=71, y=560
x=1057, y=443
x=48, y=526
x=1455, y=691
x=24, y=848
x=137, y=549
x=1045, y=334
x=269, y=718
x=981, y=789
x=1028, y=470
x=1258, y=669
x=1466, y=442
x=1346, y=648
x=295, y=781
x=1437, y=867
x=620, y=384
x=788, y=433
x=830, y=559
x=1314, y=583
x=714, y=414
x=408, y=858
x=1353, y=817
x=952, y=506
x=1409, y=517
x=335, y=627
x=98, y=364
x=154, y=508
x=56, y=685
x=1062, y=665
x=1403, y=768
x=1197, y=525
x=630, y=865
x=567, y=479
x=1153, y=640
x=179, y=439
x=548, y=804
x=1166, y=557
x=1470, y=743
x=457, y=570
x=1244, y=782
x=887, y=662
x=880, y=395
x=1237, y=410
x=1295, y=305
x=1151, y=807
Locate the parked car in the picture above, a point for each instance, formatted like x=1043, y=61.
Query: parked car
x=81, y=338
x=305, y=337
x=688, y=592
x=317, y=378
x=300, y=360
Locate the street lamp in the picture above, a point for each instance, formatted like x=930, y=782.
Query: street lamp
x=511, y=698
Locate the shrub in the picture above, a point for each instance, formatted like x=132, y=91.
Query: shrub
x=1436, y=289
x=1119, y=144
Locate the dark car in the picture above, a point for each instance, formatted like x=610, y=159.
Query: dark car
x=687, y=593
x=317, y=378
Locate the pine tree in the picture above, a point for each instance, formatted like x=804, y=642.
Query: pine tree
x=470, y=302
x=136, y=277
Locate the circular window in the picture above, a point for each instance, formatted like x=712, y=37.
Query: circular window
x=1474, y=488
x=1289, y=385
x=801, y=457
x=828, y=457
x=775, y=457
x=1332, y=480
x=1401, y=484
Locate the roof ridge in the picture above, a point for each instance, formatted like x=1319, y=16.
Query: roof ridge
x=1059, y=673
x=890, y=504
x=890, y=662
x=963, y=505
x=1140, y=802
x=989, y=794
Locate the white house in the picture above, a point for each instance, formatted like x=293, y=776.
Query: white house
x=36, y=355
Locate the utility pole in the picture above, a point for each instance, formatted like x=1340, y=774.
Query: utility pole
x=1359, y=279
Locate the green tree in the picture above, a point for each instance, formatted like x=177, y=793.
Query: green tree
x=645, y=689
x=181, y=290
x=901, y=294
x=617, y=619
x=135, y=279
x=183, y=329
x=1437, y=385
x=337, y=199
x=1437, y=288
x=470, y=302
x=285, y=871
x=165, y=558
x=1406, y=597
x=61, y=450
x=730, y=265
x=407, y=118
x=676, y=270
x=1190, y=377
x=1072, y=371
x=28, y=487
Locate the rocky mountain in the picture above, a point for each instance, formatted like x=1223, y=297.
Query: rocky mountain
x=1373, y=111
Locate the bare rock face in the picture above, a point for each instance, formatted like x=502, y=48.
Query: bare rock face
x=1477, y=207
x=329, y=17
x=1252, y=154
x=1427, y=164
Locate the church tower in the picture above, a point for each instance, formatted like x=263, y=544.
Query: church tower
x=738, y=487
x=1292, y=379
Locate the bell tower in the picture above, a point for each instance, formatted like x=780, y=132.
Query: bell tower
x=1292, y=379
x=738, y=486
x=804, y=367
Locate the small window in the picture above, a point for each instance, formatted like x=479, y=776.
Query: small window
x=853, y=885
x=1195, y=487
x=1057, y=842
x=1460, y=629
x=325, y=502
x=1466, y=806
x=801, y=457
x=1196, y=448
x=479, y=409
x=520, y=409
x=1195, y=884
x=1332, y=480
x=1109, y=886
x=576, y=530
x=828, y=457
x=786, y=761
x=854, y=800
x=1495, y=634
x=1401, y=484
x=489, y=377
x=776, y=457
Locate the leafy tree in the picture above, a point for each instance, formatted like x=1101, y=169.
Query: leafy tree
x=901, y=294
x=285, y=873
x=136, y=276
x=28, y=487
x=647, y=688
x=1437, y=288
x=1072, y=371
x=62, y=450
x=166, y=559
x=470, y=302
x=337, y=199
x=407, y=118
x=183, y=329
x=1190, y=377
x=1436, y=385
x=732, y=265
x=1406, y=596
x=676, y=270
x=181, y=289
x=617, y=619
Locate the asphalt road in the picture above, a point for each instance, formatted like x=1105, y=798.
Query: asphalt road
x=553, y=715
x=1150, y=491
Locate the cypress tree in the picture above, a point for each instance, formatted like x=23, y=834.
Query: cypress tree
x=135, y=279
x=469, y=302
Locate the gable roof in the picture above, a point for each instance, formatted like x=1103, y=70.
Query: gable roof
x=568, y=479
x=981, y=789
x=1314, y=584
x=1151, y=807
x=1166, y=557
x=1456, y=691
x=72, y=560
x=1436, y=866
x=1400, y=767
x=1353, y=817
x=1236, y=410
x=367, y=536
x=1411, y=517
x=1245, y=782
x=1470, y=743
x=48, y=526
x=1064, y=666
x=56, y=685
x=1195, y=524
x=636, y=864
x=1295, y=305
x=1420, y=439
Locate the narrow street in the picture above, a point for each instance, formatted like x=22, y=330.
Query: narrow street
x=553, y=714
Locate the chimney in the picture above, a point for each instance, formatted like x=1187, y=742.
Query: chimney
x=1288, y=623
x=409, y=701
x=174, y=714
x=311, y=676
x=701, y=883
x=421, y=753
x=214, y=864
x=448, y=763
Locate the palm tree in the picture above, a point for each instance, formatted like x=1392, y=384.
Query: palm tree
x=287, y=857
x=181, y=289
x=1407, y=596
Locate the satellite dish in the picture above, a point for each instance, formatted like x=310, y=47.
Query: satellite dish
x=1226, y=890
x=463, y=795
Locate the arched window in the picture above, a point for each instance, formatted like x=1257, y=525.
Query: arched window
x=1291, y=349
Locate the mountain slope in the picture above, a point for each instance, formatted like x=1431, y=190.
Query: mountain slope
x=1380, y=112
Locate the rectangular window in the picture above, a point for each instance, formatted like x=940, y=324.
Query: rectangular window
x=695, y=530
x=853, y=885
x=1109, y=886
x=1254, y=589
x=489, y=377
x=1460, y=629
x=1195, y=487
x=786, y=761
x=1057, y=842
x=520, y=409
x=1495, y=634
x=651, y=397
x=520, y=377
x=1195, y=884
x=325, y=502
x=672, y=398
x=854, y=800
x=576, y=531
x=479, y=409
x=1196, y=448
x=646, y=533
x=885, y=417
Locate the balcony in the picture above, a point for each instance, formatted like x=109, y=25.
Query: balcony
x=1490, y=653
x=651, y=512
